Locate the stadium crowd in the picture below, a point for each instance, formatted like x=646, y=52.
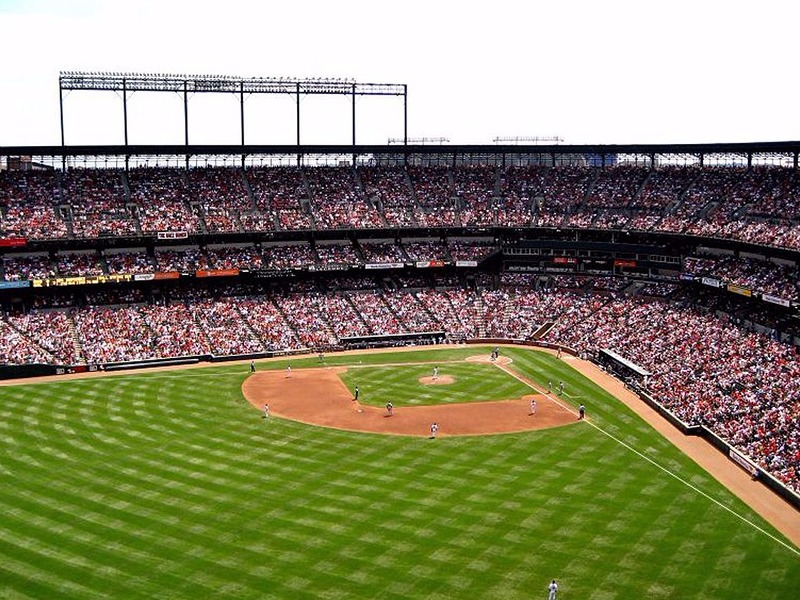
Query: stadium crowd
x=758, y=205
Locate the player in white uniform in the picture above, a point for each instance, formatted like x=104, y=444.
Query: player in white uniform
x=266, y=411
x=553, y=588
x=434, y=429
x=288, y=370
x=533, y=406
x=390, y=408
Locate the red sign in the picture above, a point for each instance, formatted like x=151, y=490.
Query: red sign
x=217, y=272
x=621, y=262
x=167, y=275
x=13, y=242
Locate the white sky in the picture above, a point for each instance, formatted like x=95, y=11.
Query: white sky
x=602, y=71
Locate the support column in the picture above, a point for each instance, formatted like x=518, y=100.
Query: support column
x=405, y=114
x=125, y=111
x=61, y=112
x=297, y=118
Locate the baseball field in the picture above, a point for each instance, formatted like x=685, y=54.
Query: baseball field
x=173, y=484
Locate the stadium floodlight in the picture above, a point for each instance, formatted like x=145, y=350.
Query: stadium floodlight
x=535, y=139
x=420, y=140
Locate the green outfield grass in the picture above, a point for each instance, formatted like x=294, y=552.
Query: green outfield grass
x=170, y=485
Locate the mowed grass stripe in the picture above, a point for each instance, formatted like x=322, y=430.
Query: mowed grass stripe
x=228, y=505
x=165, y=540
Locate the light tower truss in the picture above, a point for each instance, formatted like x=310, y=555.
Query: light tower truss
x=126, y=83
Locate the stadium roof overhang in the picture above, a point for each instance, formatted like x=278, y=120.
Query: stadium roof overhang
x=743, y=148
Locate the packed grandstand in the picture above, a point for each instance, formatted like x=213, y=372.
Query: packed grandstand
x=688, y=271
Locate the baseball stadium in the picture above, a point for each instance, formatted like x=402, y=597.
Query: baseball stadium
x=405, y=371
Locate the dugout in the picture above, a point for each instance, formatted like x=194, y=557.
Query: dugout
x=623, y=368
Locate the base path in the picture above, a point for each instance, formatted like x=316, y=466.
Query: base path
x=319, y=397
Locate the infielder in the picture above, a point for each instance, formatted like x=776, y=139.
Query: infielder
x=533, y=406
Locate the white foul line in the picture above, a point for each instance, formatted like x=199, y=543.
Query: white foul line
x=655, y=464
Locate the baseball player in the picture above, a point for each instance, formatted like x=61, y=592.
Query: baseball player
x=435, y=373
x=266, y=411
x=355, y=394
x=560, y=387
x=390, y=408
x=533, y=406
x=549, y=385
x=553, y=588
x=288, y=370
x=581, y=412
x=434, y=429
x=252, y=366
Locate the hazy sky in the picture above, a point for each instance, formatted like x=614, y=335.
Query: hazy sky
x=610, y=71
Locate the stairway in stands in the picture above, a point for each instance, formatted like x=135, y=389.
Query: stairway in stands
x=80, y=357
x=480, y=315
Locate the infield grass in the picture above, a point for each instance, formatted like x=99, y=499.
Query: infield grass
x=170, y=485
x=472, y=382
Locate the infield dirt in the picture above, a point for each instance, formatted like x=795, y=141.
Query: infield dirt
x=319, y=397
